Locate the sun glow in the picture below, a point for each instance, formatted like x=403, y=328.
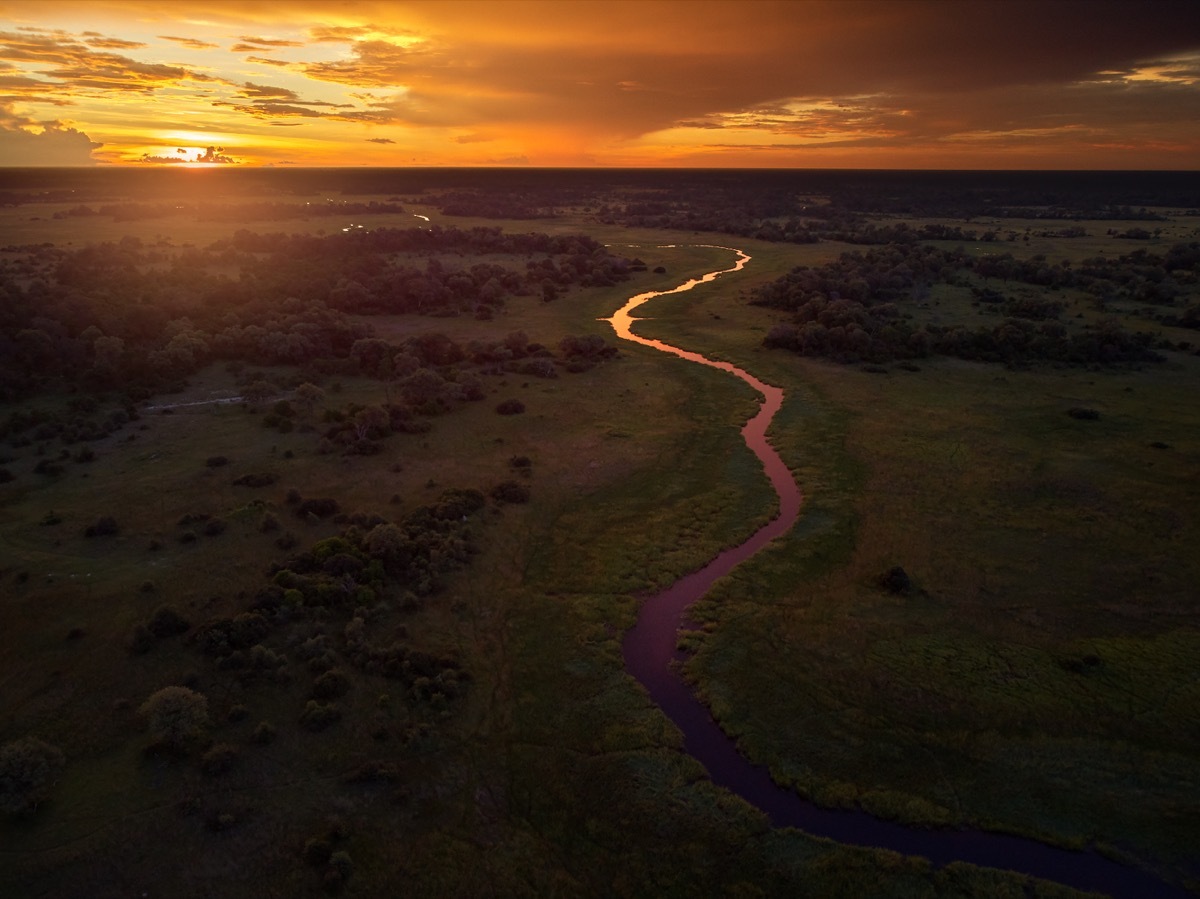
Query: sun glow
x=514, y=83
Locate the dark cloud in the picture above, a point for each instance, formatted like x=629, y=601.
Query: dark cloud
x=207, y=156
x=253, y=91
x=380, y=140
x=55, y=145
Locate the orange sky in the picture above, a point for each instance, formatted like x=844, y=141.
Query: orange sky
x=892, y=84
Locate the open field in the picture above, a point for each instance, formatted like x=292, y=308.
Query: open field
x=1039, y=678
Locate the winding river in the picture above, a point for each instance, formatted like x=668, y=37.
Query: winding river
x=650, y=648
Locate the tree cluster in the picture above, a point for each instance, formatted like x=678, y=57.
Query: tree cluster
x=852, y=309
x=124, y=315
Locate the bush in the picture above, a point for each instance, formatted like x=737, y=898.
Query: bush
x=330, y=685
x=317, y=851
x=219, y=759
x=28, y=768
x=104, y=526
x=1083, y=414
x=510, y=407
x=510, y=492
x=166, y=622
x=216, y=461
x=141, y=641
x=896, y=581
x=261, y=479
x=175, y=715
x=318, y=716
x=214, y=526
x=321, y=508
x=264, y=732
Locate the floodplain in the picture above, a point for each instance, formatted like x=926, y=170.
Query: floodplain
x=985, y=617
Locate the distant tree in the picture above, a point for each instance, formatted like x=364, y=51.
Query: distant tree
x=308, y=396
x=175, y=715
x=28, y=768
x=257, y=392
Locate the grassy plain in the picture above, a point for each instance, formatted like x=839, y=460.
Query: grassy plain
x=1041, y=678
x=1038, y=542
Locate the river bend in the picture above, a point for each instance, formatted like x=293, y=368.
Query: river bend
x=649, y=649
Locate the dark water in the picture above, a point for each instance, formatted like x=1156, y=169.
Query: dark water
x=650, y=648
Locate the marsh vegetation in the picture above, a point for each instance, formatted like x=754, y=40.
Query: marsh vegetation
x=318, y=545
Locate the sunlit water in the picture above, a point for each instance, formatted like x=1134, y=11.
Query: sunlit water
x=650, y=648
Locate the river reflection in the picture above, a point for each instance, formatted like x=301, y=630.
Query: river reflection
x=650, y=648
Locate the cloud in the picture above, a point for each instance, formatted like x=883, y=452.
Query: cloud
x=380, y=140
x=75, y=66
x=189, y=42
x=55, y=145
x=260, y=45
x=264, y=61
x=271, y=110
x=576, y=81
x=113, y=43
x=207, y=156
x=254, y=91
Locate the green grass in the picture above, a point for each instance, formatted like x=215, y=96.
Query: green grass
x=1038, y=540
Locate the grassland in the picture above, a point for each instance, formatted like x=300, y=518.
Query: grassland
x=1041, y=679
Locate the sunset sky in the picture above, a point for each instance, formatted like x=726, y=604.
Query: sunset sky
x=892, y=84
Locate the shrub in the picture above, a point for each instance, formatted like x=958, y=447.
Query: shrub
x=261, y=479
x=166, y=622
x=510, y=407
x=216, y=461
x=318, y=716
x=339, y=871
x=317, y=851
x=510, y=492
x=175, y=715
x=141, y=641
x=219, y=758
x=264, y=732
x=104, y=526
x=330, y=685
x=28, y=768
x=896, y=580
x=1083, y=414
x=321, y=508
x=214, y=526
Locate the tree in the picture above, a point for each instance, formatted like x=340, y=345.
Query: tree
x=28, y=768
x=308, y=396
x=175, y=715
x=257, y=392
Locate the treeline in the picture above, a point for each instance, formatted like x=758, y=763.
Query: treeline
x=853, y=309
x=262, y=211
x=125, y=315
